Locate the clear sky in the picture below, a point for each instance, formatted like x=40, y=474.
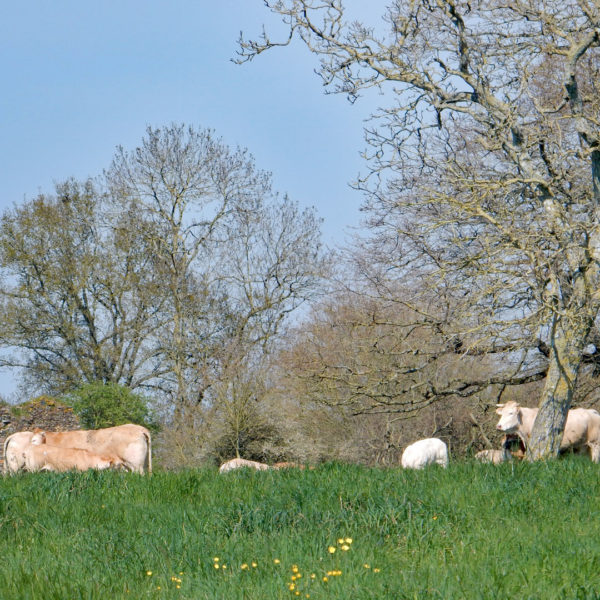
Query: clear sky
x=80, y=78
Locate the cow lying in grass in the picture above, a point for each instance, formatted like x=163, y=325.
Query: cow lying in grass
x=241, y=463
x=511, y=447
x=40, y=456
x=425, y=452
x=494, y=456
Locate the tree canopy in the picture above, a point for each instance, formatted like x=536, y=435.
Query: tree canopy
x=176, y=261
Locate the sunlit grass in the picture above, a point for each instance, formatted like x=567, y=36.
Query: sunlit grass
x=469, y=531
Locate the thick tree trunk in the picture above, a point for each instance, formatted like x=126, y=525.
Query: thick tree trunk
x=567, y=345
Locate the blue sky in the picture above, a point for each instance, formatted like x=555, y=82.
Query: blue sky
x=80, y=78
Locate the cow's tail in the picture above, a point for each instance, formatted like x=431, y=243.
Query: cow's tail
x=4, y=463
x=149, y=446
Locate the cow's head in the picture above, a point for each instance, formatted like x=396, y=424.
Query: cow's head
x=38, y=438
x=510, y=416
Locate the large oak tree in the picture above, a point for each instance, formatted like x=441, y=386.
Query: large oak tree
x=483, y=192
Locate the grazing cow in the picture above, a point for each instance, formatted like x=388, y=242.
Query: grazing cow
x=131, y=444
x=425, y=452
x=40, y=456
x=494, y=456
x=582, y=427
x=240, y=463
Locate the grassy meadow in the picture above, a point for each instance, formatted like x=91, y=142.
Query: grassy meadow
x=339, y=531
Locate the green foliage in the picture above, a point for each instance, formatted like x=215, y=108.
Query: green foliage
x=471, y=531
x=106, y=405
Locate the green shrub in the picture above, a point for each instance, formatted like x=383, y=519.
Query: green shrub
x=105, y=405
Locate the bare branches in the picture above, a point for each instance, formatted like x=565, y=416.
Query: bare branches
x=484, y=181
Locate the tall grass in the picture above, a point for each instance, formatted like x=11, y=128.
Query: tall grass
x=470, y=531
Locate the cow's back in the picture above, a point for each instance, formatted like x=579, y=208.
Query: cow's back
x=241, y=463
x=425, y=452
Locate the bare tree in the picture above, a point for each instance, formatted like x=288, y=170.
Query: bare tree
x=177, y=264
x=234, y=259
x=81, y=301
x=484, y=182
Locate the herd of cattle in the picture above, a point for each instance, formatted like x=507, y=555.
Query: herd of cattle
x=581, y=434
x=129, y=447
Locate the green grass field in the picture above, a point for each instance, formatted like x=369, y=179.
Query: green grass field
x=472, y=531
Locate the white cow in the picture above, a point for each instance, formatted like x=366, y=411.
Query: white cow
x=40, y=456
x=130, y=443
x=582, y=427
x=425, y=452
x=240, y=463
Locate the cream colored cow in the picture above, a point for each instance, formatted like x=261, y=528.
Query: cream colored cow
x=40, y=456
x=240, y=463
x=494, y=456
x=582, y=427
x=131, y=444
x=13, y=451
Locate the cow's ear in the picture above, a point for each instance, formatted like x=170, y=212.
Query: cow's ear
x=499, y=408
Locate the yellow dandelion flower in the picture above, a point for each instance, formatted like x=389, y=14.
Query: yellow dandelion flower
x=294, y=568
x=217, y=566
x=376, y=570
x=297, y=593
x=216, y=559
x=254, y=565
x=291, y=586
x=298, y=575
x=178, y=586
x=224, y=566
x=331, y=549
x=276, y=561
x=313, y=576
x=435, y=517
x=341, y=541
x=293, y=578
x=148, y=573
x=345, y=547
x=348, y=540
x=325, y=579
x=181, y=572
x=244, y=567
x=158, y=587
x=367, y=566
